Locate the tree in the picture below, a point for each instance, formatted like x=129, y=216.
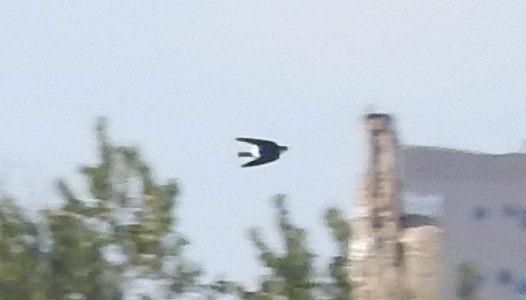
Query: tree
x=122, y=234
x=21, y=268
x=130, y=222
x=292, y=274
x=468, y=281
x=340, y=287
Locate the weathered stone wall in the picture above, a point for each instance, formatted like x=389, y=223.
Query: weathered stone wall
x=421, y=246
x=389, y=261
x=376, y=251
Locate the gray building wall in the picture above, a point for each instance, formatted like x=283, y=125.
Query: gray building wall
x=483, y=216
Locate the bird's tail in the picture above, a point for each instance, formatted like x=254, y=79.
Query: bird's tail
x=244, y=154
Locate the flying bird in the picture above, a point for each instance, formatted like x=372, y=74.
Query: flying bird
x=263, y=151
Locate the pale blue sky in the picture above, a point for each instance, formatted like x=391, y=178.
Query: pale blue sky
x=182, y=79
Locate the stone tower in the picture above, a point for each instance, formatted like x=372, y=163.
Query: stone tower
x=377, y=254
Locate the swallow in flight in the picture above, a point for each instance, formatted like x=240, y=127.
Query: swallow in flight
x=263, y=151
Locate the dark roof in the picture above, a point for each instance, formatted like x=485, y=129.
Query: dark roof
x=372, y=116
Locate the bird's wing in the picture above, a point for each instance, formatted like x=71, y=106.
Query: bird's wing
x=259, y=161
x=254, y=141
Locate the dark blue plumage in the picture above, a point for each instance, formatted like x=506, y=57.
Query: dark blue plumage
x=265, y=151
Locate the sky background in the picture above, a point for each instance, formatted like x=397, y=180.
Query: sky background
x=182, y=79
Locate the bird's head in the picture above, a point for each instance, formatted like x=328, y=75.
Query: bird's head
x=283, y=149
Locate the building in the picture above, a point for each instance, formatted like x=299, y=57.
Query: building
x=483, y=217
x=436, y=223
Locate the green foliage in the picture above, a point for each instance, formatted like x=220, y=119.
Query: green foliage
x=291, y=273
x=20, y=257
x=98, y=246
x=340, y=287
x=468, y=282
x=75, y=259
